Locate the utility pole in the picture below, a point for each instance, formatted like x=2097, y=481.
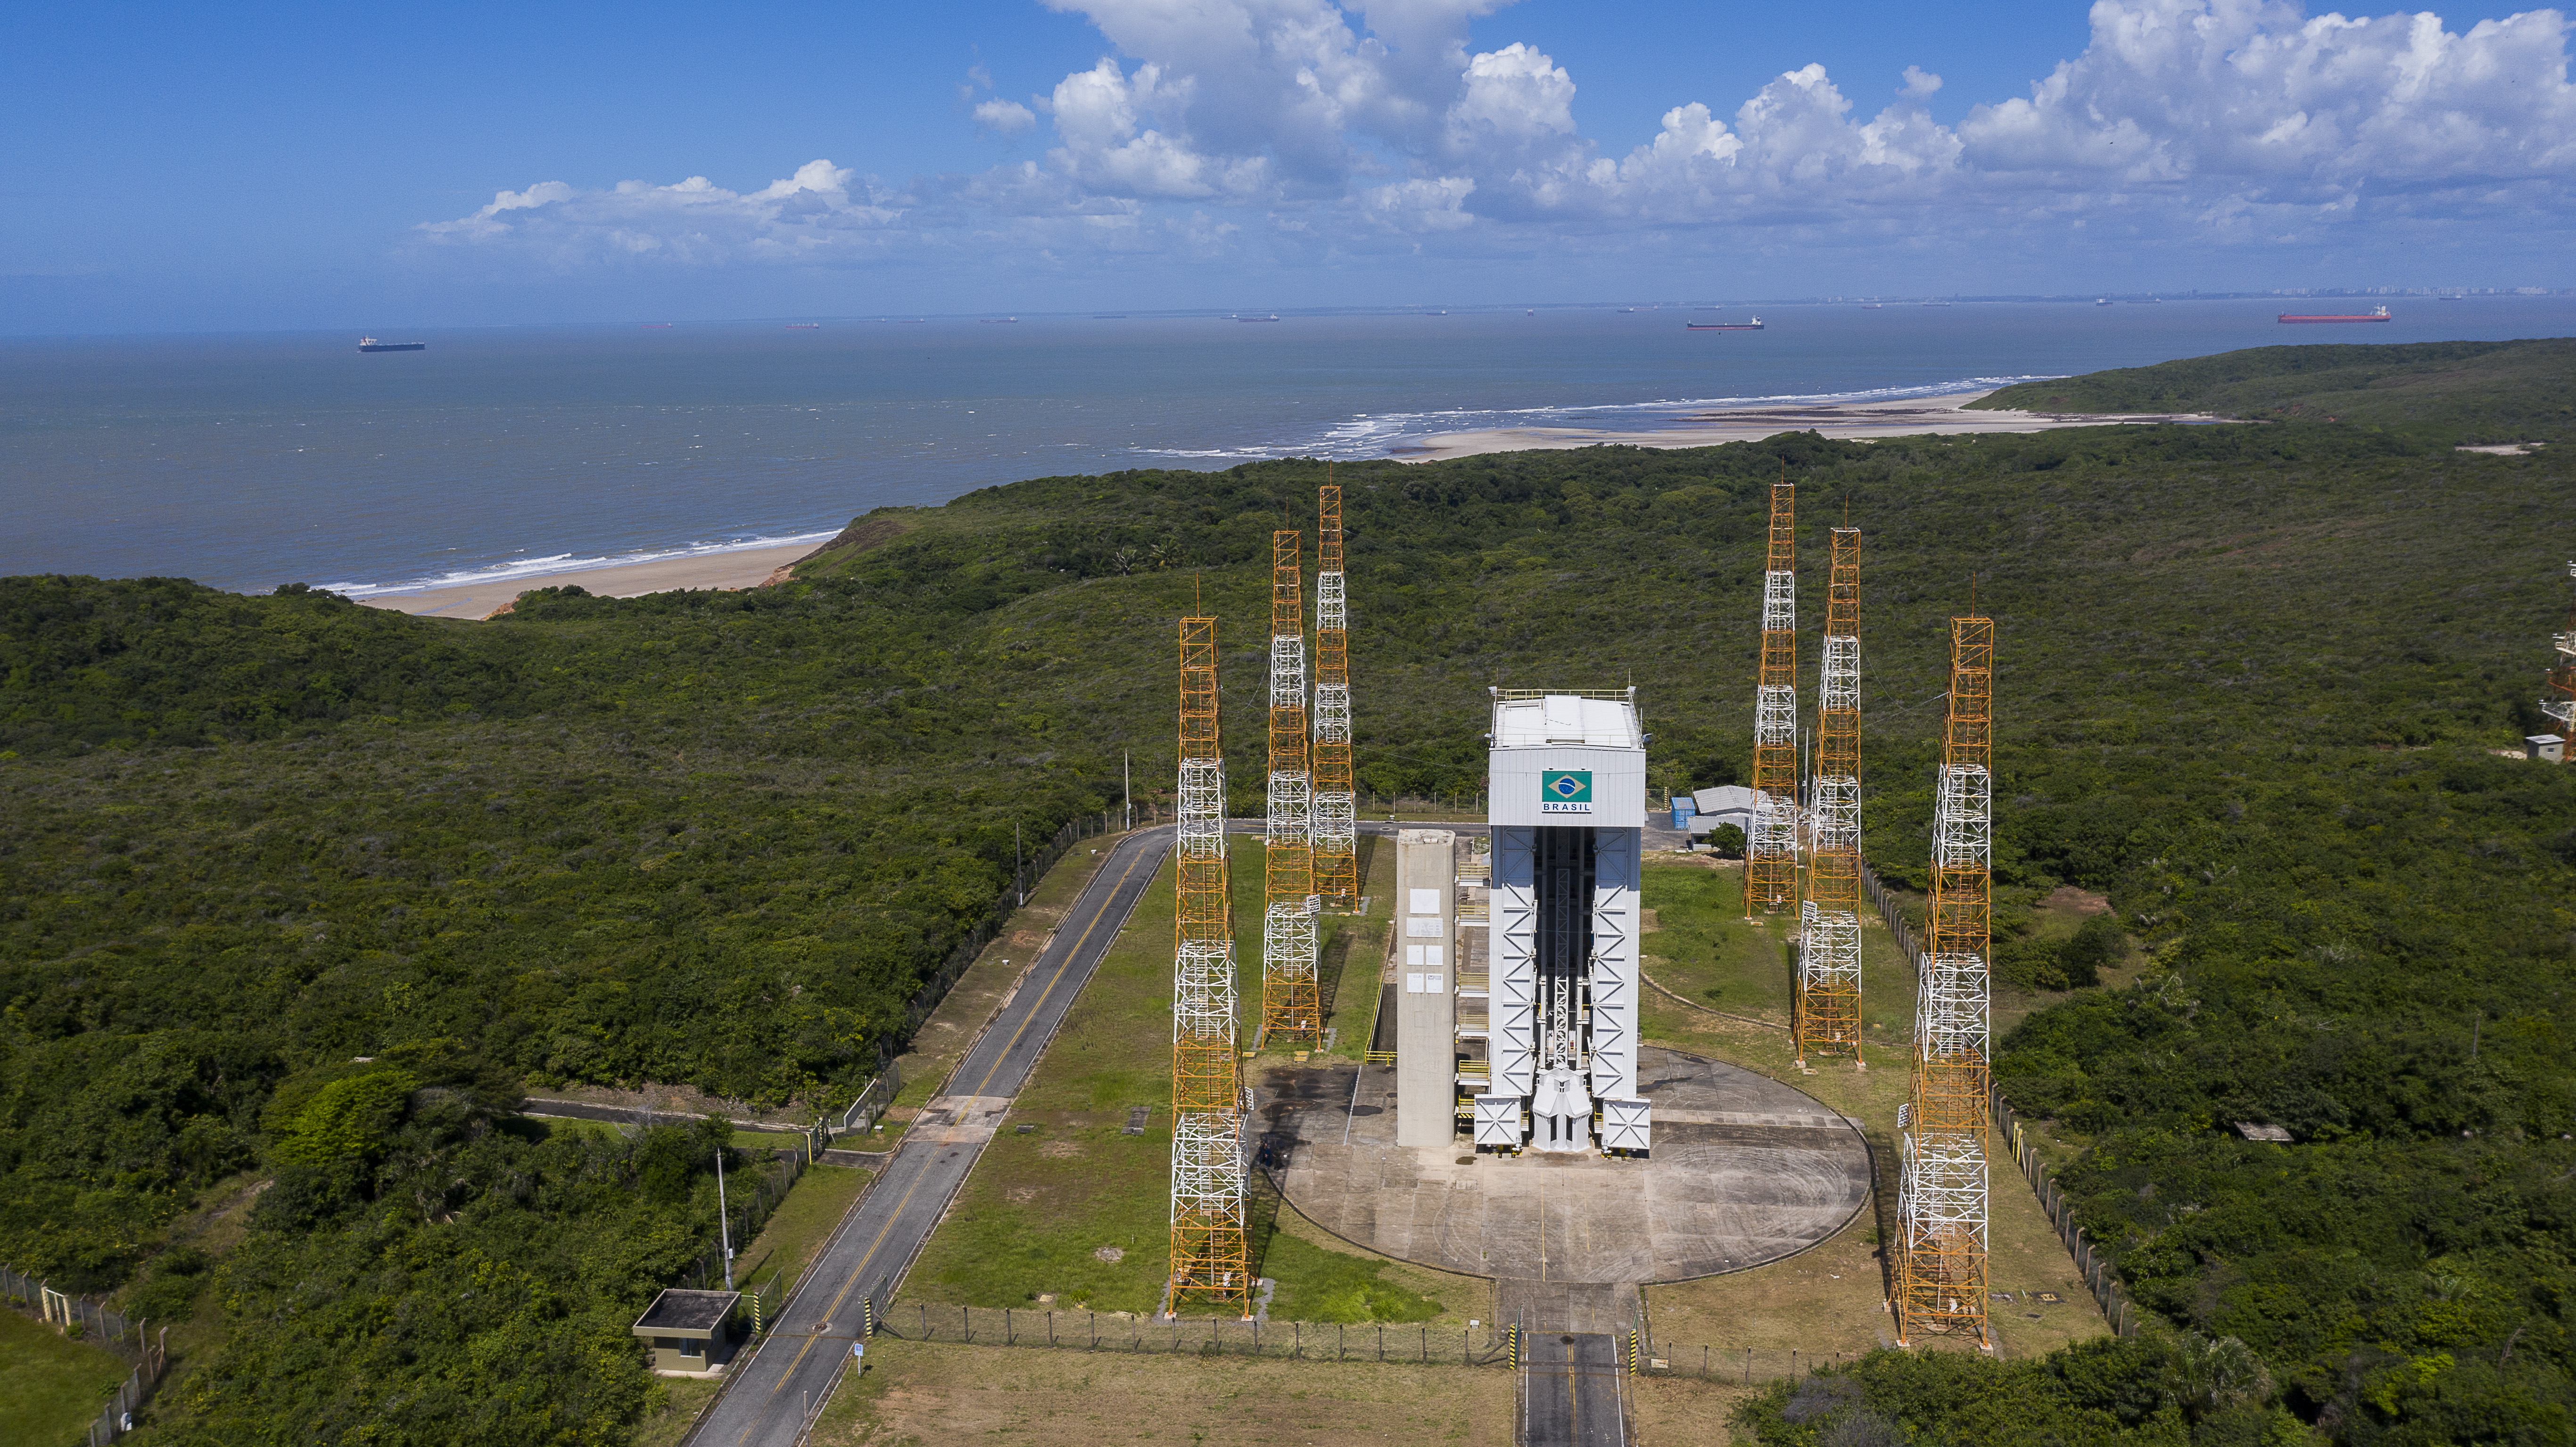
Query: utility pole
x=1019, y=870
x=724, y=1223
x=1127, y=781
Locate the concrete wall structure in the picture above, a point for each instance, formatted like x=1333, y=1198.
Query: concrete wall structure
x=1426, y=1016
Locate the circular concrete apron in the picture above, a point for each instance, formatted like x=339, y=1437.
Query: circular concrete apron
x=1744, y=1170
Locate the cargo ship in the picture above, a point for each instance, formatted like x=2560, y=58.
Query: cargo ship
x=370, y=344
x=1754, y=325
x=2380, y=315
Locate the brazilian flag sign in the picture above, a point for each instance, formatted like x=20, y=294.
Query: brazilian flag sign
x=1565, y=791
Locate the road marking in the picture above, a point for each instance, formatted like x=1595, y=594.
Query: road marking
x=1070, y=956
x=896, y=1216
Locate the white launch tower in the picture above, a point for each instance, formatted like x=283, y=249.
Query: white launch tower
x=1567, y=802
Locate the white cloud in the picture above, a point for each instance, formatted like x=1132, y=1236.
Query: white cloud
x=1005, y=117
x=1231, y=121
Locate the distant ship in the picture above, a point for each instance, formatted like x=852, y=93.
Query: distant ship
x=1936, y=303
x=1873, y=306
x=1270, y=318
x=2101, y=301
x=1754, y=325
x=2380, y=315
x=370, y=344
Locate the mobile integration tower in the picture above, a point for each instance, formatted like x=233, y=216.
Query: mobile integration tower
x=1211, y=1248
x=1771, y=854
x=1827, y=1009
x=1943, y=1127
x=1290, y=1002
x=1337, y=879
x=1566, y=806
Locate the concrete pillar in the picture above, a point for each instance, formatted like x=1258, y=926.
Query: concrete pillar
x=1426, y=1014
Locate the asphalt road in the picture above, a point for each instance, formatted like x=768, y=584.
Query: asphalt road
x=1574, y=1391
x=765, y=1405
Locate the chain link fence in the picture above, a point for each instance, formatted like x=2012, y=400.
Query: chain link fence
x=1110, y=1331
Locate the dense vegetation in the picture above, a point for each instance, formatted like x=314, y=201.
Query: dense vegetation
x=2471, y=392
x=2251, y=679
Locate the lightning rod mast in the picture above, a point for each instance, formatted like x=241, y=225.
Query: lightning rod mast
x=1211, y=1246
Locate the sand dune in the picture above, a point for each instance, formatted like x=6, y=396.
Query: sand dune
x=1911, y=417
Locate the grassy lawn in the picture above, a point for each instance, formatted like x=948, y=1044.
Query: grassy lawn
x=802, y=1222
x=929, y=1394
x=1831, y=1299
x=943, y=1038
x=673, y=1411
x=1077, y=1209
x=50, y=1385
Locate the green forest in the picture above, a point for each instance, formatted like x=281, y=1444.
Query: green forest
x=2252, y=684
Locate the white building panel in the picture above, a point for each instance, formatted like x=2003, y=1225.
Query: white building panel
x=1615, y=903
x=1514, y=961
x=1498, y=1120
x=1626, y=1125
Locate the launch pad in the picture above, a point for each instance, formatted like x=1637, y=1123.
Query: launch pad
x=1744, y=1171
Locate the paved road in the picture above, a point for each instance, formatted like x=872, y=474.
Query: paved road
x=1574, y=1391
x=867, y=1257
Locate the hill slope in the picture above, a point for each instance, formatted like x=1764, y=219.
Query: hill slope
x=2249, y=681
x=2476, y=392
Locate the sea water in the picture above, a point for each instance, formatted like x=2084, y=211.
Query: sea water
x=247, y=461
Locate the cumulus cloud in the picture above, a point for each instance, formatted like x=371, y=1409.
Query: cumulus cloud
x=1221, y=122
x=1005, y=117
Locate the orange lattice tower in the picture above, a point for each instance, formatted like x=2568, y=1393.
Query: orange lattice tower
x=1771, y=855
x=2560, y=705
x=1290, y=1006
x=1211, y=1247
x=1827, y=1008
x=1337, y=878
x=1945, y=1127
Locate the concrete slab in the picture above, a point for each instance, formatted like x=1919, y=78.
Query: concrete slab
x=1745, y=1171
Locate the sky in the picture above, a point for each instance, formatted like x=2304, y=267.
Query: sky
x=215, y=167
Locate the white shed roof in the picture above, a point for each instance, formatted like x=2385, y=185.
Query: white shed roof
x=1537, y=720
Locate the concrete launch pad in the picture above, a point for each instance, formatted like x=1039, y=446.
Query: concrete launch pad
x=1745, y=1170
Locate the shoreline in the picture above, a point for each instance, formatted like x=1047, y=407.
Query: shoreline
x=740, y=568
x=1943, y=415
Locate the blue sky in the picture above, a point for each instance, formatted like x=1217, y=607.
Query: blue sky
x=210, y=167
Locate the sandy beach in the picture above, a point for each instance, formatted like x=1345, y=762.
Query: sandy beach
x=748, y=568
x=1909, y=418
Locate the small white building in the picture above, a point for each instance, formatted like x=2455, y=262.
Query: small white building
x=2547, y=747
x=1725, y=804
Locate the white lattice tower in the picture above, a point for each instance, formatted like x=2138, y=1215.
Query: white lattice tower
x=1963, y=818
x=1775, y=814
x=1291, y=998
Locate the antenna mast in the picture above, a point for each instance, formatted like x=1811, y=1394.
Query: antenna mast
x=1211, y=1247
x=1941, y=1190
x=1771, y=861
x=1828, y=1003
x=1337, y=878
x=1288, y=989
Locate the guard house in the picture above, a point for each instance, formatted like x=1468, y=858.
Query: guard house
x=1567, y=807
x=685, y=1332
x=2549, y=748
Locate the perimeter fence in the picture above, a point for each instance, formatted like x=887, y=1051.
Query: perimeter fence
x=748, y=1204
x=1404, y=1342
x=89, y=1319
x=2117, y=1308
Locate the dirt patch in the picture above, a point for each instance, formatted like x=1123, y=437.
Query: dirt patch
x=2068, y=898
x=936, y=1393
x=1060, y=1150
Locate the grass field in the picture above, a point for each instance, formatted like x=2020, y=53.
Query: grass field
x=1076, y=1209
x=1831, y=1300
x=928, y=1394
x=50, y=1385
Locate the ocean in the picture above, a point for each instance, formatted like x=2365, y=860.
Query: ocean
x=245, y=461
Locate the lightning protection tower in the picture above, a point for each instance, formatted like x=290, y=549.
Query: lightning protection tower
x=1211, y=1248
x=1828, y=1004
x=1289, y=1001
x=1771, y=858
x=1337, y=879
x=2560, y=705
x=1941, y=1186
